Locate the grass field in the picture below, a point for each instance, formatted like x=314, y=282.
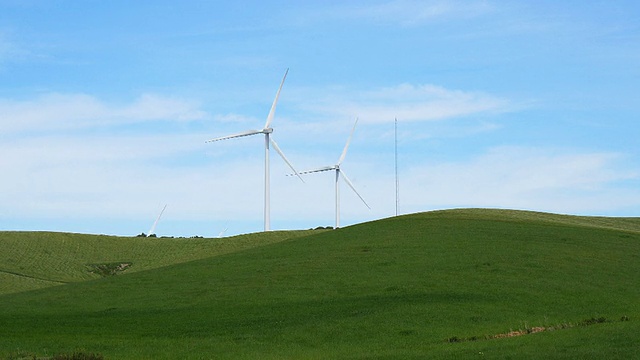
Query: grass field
x=33, y=260
x=446, y=284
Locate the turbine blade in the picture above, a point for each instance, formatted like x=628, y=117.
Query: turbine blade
x=324, y=168
x=222, y=232
x=346, y=179
x=344, y=152
x=275, y=102
x=275, y=146
x=155, y=223
x=244, y=133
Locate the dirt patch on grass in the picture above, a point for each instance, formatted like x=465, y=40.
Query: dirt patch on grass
x=109, y=269
x=532, y=330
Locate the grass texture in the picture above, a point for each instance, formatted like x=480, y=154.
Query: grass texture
x=448, y=284
x=32, y=260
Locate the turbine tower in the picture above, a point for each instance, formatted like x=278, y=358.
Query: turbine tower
x=266, y=130
x=340, y=174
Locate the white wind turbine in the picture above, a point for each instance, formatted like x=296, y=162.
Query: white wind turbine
x=266, y=130
x=155, y=223
x=340, y=173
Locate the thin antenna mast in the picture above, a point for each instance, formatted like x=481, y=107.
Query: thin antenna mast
x=396, y=158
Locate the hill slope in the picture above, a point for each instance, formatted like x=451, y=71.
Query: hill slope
x=33, y=260
x=397, y=288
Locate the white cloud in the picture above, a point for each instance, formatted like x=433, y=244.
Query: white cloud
x=154, y=107
x=91, y=176
x=406, y=102
x=235, y=118
x=552, y=180
x=68, y=149
x=125, y=178
x=71, y=111
x=428, y=102
x=524, y=178
x=108, y=176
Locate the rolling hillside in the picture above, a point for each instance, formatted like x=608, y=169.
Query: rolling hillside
x=445, y=284
x=33, y=260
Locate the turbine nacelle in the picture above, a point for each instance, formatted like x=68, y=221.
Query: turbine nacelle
x=266, y=130
x=339, y=174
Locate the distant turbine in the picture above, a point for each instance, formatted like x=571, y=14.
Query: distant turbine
x=340, y=173
x=221, y=234
x=155, y=223
x=266, y=130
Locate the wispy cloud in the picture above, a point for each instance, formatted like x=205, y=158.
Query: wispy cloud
x=525, y=178
x=71, y=111
x=8, y=50
x=66, y=175
x=552, y=180
x=407, y=102
x=234, y=118
x=114, y=176
x=414, y=12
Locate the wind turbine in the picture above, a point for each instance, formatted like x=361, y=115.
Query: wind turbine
x=266, y=130
x=155, y=223
x=221, y=233
x=340, y=174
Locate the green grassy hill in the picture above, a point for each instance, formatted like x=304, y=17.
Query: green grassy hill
x=446, y=284
x=33, y=260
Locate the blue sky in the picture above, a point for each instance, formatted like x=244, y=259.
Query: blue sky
x=105, y=107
